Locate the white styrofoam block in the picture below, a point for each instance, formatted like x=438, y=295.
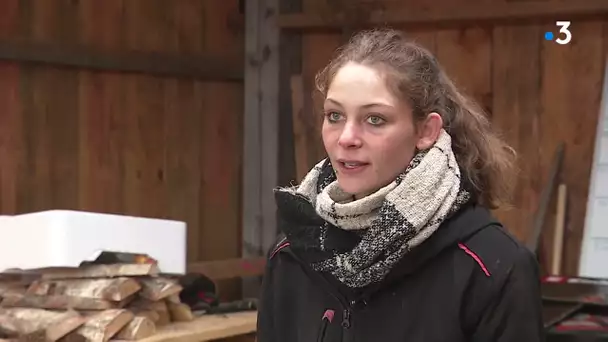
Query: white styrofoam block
x=594, y=247
x=595, y=259
x=66, y=238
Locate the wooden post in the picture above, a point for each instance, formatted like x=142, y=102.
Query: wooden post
x=260, y=164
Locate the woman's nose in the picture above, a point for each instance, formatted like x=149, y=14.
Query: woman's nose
x=350, y=136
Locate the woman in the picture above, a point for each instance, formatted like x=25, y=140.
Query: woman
x=390, y=238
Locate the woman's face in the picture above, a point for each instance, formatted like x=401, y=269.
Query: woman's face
x=368, y=133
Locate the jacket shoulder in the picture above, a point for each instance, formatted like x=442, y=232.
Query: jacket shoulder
x=279, y=243
x=500, y=264
x=497, y=253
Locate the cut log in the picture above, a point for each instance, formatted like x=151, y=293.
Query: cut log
x=180, y=312
x=150, y=314
x=139, y=327
x=38, y=324
x=163, y=313
x=36, y=336
x=19, y=276
x=10, y=288
x=72, y=337
x=101, y=326
x=159, y=288
x=9, y=326
x=57, y=302
x=159, y=307
x=102, y=271
x=174, y=298
x=114, y=289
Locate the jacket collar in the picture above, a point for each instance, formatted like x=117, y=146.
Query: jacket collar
x=300, y=224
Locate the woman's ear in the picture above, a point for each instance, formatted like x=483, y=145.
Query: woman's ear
x=429, y=130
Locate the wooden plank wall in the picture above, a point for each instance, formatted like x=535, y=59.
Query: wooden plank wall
x=538, y=93
x=125, y=143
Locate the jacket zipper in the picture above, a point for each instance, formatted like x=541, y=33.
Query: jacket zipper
x=347, y=334
x=346, y=319
x=346, y=323
x=346, y=312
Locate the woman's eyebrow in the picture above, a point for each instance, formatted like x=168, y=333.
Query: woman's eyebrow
x=368, y=105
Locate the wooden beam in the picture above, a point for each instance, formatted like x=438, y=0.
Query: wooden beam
x=229, y=268
x=168, y=65
x=260, y=164
x=461, y=12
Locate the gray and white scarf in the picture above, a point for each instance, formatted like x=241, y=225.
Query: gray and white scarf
x=390, y=221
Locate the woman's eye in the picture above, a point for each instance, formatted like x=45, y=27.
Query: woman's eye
x=375, y=120
x=333, y=116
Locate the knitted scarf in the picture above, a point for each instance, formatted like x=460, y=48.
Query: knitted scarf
x=390, y=221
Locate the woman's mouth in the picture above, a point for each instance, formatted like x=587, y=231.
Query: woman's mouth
x=351, y=166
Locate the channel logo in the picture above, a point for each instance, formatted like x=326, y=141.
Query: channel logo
x=563, y=35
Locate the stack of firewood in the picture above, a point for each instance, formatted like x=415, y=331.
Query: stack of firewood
x=89, y=303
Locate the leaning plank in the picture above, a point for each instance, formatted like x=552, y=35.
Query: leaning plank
x=38, y=324
x=56, y=302
x=102, y=271
x=159, y=288
x=139, y=327
x=115, y=289
x=102, y=326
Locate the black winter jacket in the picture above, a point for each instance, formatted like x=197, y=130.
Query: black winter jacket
x=470, y=281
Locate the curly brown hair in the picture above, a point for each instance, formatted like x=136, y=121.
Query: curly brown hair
x=414, y=74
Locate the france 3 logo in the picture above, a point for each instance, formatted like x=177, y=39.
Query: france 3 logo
x=563, y=36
